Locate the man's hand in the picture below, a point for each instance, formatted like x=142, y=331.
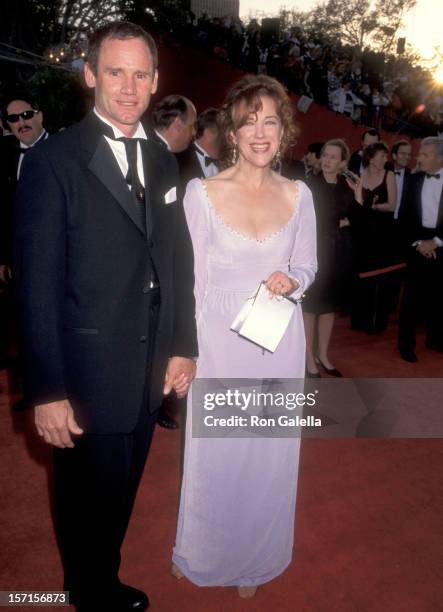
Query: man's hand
x=55, y=422
x=179, y=375
x=427, y=248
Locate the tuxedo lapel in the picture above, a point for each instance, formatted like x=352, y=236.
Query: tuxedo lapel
x=105, y=167
x=101, y=162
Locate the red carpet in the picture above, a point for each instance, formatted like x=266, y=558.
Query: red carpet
x=368, y=523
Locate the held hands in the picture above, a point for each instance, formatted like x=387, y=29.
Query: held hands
x=427, y=248
x=280, y=284
x=179, y=375
x=55, y=422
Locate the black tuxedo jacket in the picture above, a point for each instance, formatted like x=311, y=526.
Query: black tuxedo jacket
x=410, y=214
x=82, y=268
x=189, y=167
x=406, y=178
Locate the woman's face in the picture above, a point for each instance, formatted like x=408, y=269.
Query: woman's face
x=379, y=160
x=331, y=161
x=259, y=138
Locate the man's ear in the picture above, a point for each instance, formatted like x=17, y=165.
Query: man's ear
x=154, y=83
x=89, y=76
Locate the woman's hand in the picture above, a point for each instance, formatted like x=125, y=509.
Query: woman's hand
x=280, y=284
x=356, y=185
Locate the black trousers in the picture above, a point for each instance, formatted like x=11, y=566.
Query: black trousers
x=422, y=301
x=95, y=487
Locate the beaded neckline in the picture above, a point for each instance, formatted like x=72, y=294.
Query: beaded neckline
x=247, y=236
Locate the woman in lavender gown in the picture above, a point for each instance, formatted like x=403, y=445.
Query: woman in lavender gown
x=247, y=224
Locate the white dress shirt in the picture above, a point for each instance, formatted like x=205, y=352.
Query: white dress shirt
x=210, y=170
x=119, y=151
x=43, y=136
x=430, y=202
x=399, y=182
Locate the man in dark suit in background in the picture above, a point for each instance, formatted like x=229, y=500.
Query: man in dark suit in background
x=421, y=216
x=401, y=153
x=103, y=265
x=199, y=160
x=24, y=121
x=173, y=120
x=368, y=137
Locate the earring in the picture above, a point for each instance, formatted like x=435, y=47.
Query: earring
x=276, y=162
x=234, y=157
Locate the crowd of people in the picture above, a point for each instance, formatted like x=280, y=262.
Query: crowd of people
x=384, y=93
x=124, y=296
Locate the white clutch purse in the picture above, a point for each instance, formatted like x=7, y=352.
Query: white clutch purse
x=263, y=320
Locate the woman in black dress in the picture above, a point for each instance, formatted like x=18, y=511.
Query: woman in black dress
x=333, y=200
x=375, y=240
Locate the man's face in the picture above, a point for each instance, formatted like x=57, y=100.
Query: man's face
x=124, y=82
x=429, y=160
x=26, y=130
x=368, y=140
x=403, y=156
x=210, y=140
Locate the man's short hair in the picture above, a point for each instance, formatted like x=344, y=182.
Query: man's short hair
x=398, y=144
x=19, y=95
x=316, y=147
x=170, y=107
x=120, y=30
x=434, y=141
x=209, y=118
x=370, y=132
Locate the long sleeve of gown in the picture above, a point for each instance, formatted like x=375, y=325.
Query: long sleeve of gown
x=303, y=262
x=196, y=212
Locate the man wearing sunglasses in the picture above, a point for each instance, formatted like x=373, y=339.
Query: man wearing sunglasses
x=25, y=121
x=21, y=116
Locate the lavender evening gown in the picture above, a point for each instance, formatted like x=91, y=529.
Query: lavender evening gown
x=237, y=505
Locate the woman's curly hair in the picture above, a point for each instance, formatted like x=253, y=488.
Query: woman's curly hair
x=247, y=93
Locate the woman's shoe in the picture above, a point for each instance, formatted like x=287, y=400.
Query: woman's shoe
x=312, y=374
x=246, y=592
x=176, y=572
x=330, y=371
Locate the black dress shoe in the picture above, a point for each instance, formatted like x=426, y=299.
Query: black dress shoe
x=330, y=371
x=122, y=598
x=164, y=420
x=409, y=356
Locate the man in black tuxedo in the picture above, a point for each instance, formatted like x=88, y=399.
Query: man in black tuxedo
x=368, y=137
x=24, y=120
x=199, y=160
x=401, y=153
x=103, y=265
x=421, y=216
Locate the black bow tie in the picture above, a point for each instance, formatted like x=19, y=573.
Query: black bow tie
x=398, y=172
x=208, y=160
x=23, y=150
x=436, y=176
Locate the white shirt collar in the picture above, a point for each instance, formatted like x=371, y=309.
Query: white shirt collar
x=164, y=139
x=139, y=132
x=201, y=150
